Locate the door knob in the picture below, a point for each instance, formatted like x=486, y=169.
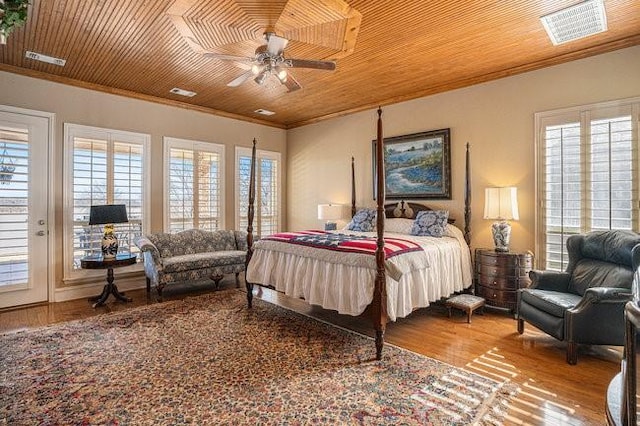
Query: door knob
x=40, y=233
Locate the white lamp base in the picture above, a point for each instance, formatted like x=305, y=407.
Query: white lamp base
x=501, y=235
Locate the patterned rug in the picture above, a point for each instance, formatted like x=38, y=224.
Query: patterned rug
x=210, y=360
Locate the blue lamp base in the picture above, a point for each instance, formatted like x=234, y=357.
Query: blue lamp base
x=330, y=226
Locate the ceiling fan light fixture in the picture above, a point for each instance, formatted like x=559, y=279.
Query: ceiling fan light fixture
x=255, y=69
x=281, y=74
x=260, y=79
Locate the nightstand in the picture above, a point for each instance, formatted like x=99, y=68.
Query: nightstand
x=499, y=275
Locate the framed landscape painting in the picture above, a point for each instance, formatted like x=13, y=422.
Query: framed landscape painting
x=417, y=166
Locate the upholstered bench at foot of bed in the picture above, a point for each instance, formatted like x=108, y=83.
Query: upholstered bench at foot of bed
x=192, y=255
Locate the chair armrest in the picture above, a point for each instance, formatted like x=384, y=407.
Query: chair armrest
x=145, y=245
x=604, y=295
x=549, y=280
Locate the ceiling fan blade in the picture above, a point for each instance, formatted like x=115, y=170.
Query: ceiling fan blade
x=305, y=63
x=276, y=45
x=240, y=79
x=291, y=83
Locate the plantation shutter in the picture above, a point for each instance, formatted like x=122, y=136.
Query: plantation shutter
x=588, y=176
x=195, y=198
x=267, y=203
x=106, y=168
x=14, y=206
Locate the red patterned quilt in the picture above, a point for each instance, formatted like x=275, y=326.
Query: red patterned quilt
x=345, y=242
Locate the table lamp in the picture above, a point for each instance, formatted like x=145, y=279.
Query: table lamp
x=107, y=215
x=329, y=212
x=501, y=204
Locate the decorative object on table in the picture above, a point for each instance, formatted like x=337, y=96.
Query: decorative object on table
x=465, y=302
x=330, y=212
x=107, y=215
x=417, y=165
x=120, y=368
x=7, y=165
x=501, y=204
x=499, y=275
x=13, y=14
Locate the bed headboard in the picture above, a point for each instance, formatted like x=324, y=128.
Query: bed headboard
x=406, y=210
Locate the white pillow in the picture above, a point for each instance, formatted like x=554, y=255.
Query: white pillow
x=398, y=225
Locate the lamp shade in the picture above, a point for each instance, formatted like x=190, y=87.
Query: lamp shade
x=329, y=211
x=108, y=213
x=501, y=203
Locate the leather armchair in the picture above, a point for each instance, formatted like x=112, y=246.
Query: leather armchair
x=584, y=304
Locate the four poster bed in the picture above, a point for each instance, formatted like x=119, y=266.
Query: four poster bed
x=392, y=273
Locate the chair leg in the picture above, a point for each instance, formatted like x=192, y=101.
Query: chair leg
x=237, y=279
x=159, y=288
x=148, y=285
x=572, y=353
x=520, y=326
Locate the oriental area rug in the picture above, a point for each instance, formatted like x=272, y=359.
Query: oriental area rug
x=210, y=360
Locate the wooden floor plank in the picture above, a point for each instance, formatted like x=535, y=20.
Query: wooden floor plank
x=552, y=391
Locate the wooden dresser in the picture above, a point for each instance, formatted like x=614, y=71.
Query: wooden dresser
x=499, y=274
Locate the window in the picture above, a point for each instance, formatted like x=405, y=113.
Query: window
x=267, y=203
x=587, y=175
x=103, y=167
x=194, y=173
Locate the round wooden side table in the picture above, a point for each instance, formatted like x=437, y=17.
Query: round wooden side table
x=98, y=262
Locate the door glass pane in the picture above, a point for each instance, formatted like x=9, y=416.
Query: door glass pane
x=14, y=214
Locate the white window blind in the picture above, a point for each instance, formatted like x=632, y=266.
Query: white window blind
x=104, y=167
x=14, y=206
x=268, y=182
x=587, y=175
x=194, y=175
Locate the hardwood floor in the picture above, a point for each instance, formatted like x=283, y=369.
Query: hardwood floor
x=552, y=391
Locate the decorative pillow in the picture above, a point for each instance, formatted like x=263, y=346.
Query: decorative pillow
x=363, y=221
x=430, y=223
x=398, y=226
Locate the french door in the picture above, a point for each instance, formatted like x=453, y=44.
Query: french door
x=24, y=163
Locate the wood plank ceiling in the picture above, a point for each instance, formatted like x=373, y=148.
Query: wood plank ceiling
x=404, y=49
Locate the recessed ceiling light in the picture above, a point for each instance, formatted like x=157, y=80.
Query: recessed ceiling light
x=44, y=58
x=575, y=22
x=264, y=111
x=183, y=92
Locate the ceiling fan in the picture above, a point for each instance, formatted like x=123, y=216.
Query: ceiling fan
x=269, y=60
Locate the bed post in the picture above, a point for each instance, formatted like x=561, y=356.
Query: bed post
x=353, y=187
x=250, y=213
x=467, y=200
x=379, y=303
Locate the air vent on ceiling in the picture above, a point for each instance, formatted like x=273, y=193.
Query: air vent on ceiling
x=44, y=58
x=183, y=92
x=264, y=111
x=575, y=22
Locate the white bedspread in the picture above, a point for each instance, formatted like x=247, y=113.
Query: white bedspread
x=445, y=267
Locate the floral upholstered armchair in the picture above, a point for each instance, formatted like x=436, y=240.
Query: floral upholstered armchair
x=192, y=255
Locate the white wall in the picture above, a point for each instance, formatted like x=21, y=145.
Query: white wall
x=496, y=118
x=82, y=106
